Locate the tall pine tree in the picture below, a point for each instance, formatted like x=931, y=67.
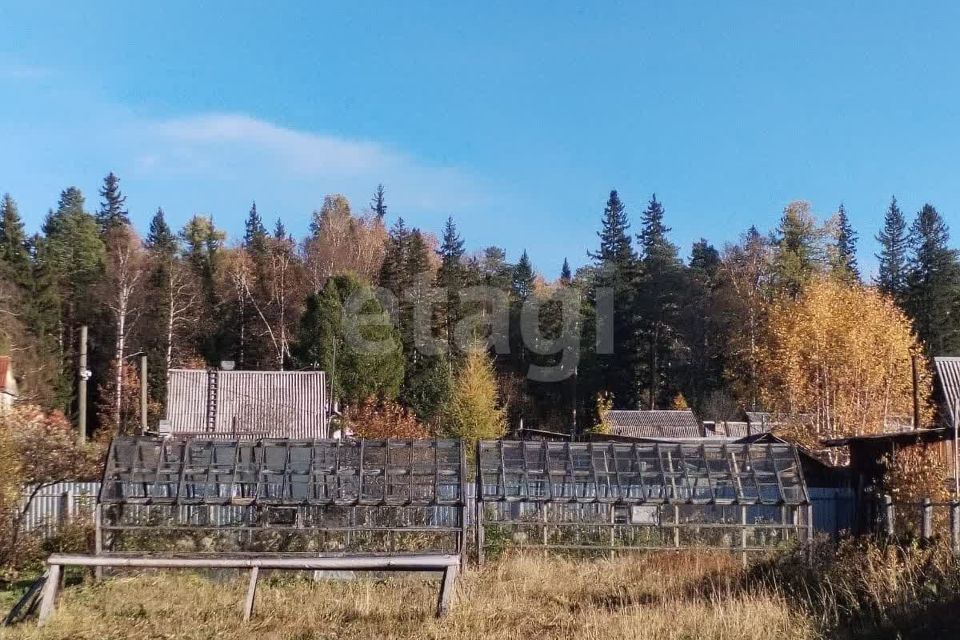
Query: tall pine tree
x=611, y=360
x=843, y=259
x=565, y=276
x=658, y=303
x=523, y=277
x=894, y=250
x=452, y=277
x=797, y=249
x=378, y=205
x=112, y=212
x=14, y=246
x=933, y=285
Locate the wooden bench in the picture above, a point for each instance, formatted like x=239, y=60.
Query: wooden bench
x=448, y=565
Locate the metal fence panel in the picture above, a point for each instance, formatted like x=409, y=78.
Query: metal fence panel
x=57, y=504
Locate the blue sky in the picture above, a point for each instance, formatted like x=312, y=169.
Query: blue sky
x=515, y=118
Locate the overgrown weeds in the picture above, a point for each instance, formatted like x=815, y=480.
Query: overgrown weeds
x=854, y=590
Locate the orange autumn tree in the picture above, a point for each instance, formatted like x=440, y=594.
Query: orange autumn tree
x=835, y=362
x=384, y=419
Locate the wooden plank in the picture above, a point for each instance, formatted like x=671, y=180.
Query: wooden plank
x=410, y=562
x=49, y=598
x=447, y=584
x=251, y=594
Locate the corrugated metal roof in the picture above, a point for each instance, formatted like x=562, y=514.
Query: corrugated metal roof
x=948, y=372
x=259, y=404
x=732, y=429
x=655, y=424
x=761, y=420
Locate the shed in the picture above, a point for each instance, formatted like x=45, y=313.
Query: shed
x=655, y=424
x=9, y=392
x=246, y=404
x=868, y=452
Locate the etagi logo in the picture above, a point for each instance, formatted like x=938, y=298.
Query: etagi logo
x=549, y=326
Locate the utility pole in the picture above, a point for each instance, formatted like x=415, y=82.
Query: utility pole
x=916, y=392
x=143, y=394
x=82, y=388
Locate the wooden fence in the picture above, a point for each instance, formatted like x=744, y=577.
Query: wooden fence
x=54, y=505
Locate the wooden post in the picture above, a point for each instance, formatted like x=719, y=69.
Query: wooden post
x=889, y=516
x=926, y=526
x=543, y=513
x=82, y=389
x=743, y=534
x=66, y=508
x=676, y=526
x=98, y=538
x=478, y=507
x=49, y=598
x=143, y=394
x=955, y=526
x=916, y=392
x=251, y=594
x=447, y=583
x=810, y=531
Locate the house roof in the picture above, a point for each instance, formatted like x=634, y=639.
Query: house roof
x=898, y=437
x=761, y=419
x=260, y=404
x=948, y=372
x=655, y=424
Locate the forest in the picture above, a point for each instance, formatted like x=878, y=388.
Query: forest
x=781, y=320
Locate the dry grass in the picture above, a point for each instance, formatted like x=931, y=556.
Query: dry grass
x=525, y=597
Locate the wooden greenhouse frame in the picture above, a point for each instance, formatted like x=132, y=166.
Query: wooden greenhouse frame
x=607, y=496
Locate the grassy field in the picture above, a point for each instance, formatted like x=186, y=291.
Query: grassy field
x=663, y=597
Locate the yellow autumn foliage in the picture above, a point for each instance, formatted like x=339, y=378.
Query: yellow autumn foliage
x=835, y=362
x=604, y=405
x=473, y=411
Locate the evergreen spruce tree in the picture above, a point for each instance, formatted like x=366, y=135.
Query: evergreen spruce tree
x=70, y=261
x=523, y=278
x=933, y=285
x=452, y=277
x=700, y=327
x=15, y=262
x=894, y=250
x=844, y=255
x=565, y=276
x=797, y=254
x=378, y=205
x=279, y=230
x=255, y=234
x=324, y=342
x=160, y=238
x=393, y=270
x=615, y=275
x=112, y=212
x=658, y=304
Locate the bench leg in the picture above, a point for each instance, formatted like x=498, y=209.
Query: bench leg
x=49, y=598
x=251, y=594
x=446, y=589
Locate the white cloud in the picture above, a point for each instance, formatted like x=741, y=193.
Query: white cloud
x=23, y=71
x=237, y=147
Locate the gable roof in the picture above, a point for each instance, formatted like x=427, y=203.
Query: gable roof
x=948, y=373
x=259, y=404
x=734, y=429
x=655, y=424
